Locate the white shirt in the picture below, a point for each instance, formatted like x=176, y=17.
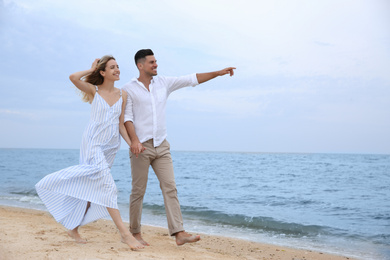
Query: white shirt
x=147, y=109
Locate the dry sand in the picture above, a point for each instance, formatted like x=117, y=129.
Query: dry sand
x=33, y=234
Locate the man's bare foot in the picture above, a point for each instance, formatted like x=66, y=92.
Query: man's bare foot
x=76, y=236
x=183, y=237
x=133, y=243
x=140, y=239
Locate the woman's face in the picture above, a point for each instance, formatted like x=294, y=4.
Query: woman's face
x=112, y=71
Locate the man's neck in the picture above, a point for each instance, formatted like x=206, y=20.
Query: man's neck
x=145, y=80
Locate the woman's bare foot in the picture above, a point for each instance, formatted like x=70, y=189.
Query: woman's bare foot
x=76, y=236
x=183, y=237
x=133, y=243
x=140, y=239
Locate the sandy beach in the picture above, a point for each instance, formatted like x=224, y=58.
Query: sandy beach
x=33, y=234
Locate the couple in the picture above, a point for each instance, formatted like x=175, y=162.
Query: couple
x=86, y=192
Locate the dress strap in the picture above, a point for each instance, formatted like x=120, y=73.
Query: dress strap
x=120, y=91
x=96, y=88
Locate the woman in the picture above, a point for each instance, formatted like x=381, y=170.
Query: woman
x=84, y=193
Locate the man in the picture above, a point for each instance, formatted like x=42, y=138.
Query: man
x=145, y=124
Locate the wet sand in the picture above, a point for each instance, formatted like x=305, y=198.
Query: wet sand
x=34, y=234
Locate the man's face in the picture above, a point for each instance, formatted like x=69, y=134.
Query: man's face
x=149, y=66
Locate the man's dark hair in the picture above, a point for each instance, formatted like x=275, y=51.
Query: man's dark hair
x=141, y=54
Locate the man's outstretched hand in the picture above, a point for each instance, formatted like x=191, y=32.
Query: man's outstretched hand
x=203, y=77
x=225, y=71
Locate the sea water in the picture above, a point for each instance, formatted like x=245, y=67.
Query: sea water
x=335, y=203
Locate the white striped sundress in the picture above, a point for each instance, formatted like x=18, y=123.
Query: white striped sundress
x=67, y=192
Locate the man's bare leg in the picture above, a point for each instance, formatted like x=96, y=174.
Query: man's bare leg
x=140, y=239
x=74, y=233
x=183, y=237
x=126, y=236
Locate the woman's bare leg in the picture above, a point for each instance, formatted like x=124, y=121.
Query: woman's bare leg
x=88, y=205
x=126, y=236
x=74, y=233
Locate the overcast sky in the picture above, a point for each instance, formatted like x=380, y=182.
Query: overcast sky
x=312, y=76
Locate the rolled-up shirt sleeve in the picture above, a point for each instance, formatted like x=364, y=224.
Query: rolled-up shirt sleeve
x=129, y=115
x=175, y=83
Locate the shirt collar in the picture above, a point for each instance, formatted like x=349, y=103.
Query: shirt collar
x=136, y=79
x=139, y=82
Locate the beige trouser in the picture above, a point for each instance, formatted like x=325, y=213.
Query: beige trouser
x=161, y=161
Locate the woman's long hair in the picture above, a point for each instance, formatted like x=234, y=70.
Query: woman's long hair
x=95, y=78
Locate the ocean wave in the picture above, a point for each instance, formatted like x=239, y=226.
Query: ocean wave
x=29, y=192
x=381, y=239
x=23, y=199
x=259, y=223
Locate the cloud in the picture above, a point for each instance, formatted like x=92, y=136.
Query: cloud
x=17, y=113
x=44, y=115
x=298, y=62
x=261, y=37
x=239, y=102
x=236, y=103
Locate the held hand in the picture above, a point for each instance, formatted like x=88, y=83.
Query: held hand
x=137, y=148
x=225, y=71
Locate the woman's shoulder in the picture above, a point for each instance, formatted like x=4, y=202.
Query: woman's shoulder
x=122, y=92
x=117, y=90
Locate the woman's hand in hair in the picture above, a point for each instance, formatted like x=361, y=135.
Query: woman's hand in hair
x=95, y=64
